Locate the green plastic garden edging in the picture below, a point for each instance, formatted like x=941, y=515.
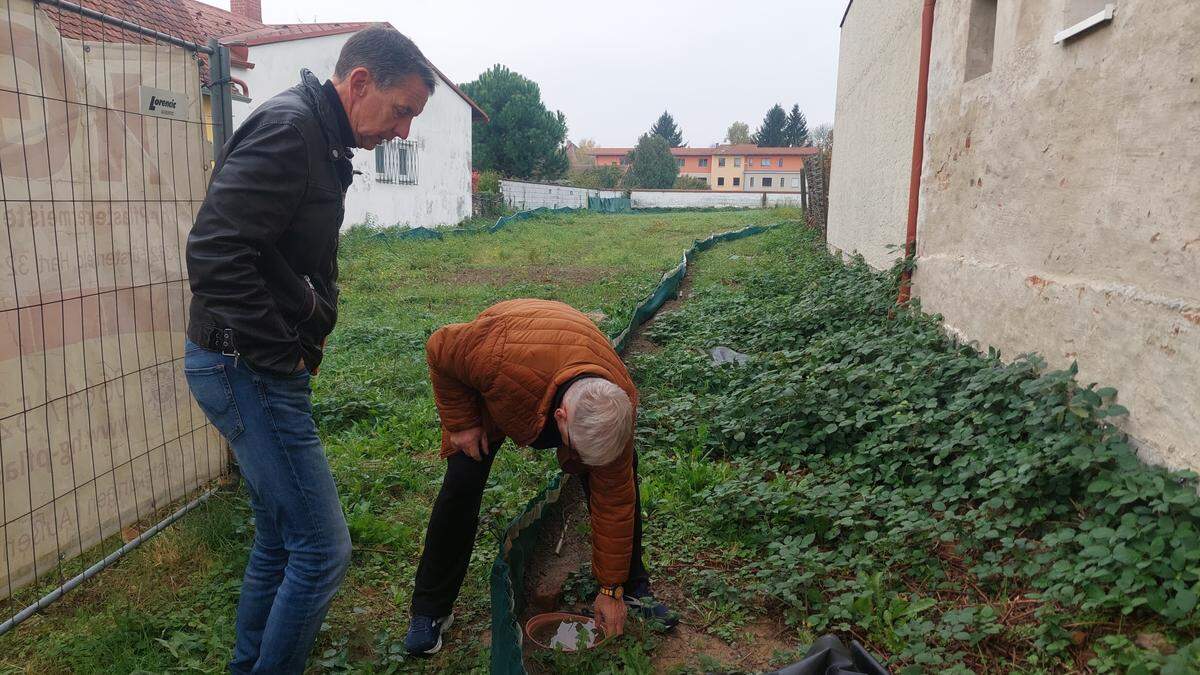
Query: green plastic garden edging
x=508, y=571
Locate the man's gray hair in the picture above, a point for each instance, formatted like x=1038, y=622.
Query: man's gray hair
x=387, y=54
x=601, y=420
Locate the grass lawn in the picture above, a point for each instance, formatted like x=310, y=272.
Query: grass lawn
x=171, y=603
x=861, y=474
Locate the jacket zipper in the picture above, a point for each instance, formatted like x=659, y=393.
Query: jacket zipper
x=313, y=290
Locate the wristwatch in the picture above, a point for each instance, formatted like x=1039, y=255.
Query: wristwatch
x=615, y=591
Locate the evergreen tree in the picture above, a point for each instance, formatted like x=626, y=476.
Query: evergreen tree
x=524, y=139
x=665, y=127
x=796, y=130
x=772, y=132
x=652, y=165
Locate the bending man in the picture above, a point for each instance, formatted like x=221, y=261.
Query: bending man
x=542, y=374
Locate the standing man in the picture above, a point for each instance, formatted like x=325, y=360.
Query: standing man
x=262, y=261
x=541, y=373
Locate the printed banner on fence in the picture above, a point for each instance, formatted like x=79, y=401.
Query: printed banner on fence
x=102, y=168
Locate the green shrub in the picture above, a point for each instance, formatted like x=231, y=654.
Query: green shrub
x=690, y=183
x=597, y=177
x=489, y=181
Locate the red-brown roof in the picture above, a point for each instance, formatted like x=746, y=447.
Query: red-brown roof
x=197, y=22
x=753, y=150
x=269, y=34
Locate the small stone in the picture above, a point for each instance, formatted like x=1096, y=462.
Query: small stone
x=1155, y=642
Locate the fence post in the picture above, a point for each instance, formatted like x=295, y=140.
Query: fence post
x=221, y=98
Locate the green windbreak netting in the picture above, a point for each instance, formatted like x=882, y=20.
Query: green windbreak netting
x=508, y=571
x=610, y=204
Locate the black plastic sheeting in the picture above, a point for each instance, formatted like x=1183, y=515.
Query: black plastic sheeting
x=828, y=656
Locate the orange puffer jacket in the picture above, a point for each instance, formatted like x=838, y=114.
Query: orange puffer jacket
x=502, y=370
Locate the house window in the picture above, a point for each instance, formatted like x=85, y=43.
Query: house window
x=795, y=182
x=703, y=161
x=981, y=38
x=720, y=180
x=766, y=181
x=720, y=161
x=736, y=181
x=765, y=162
x=737, y=161
x=625, y=160
x=396, y=162
x=1081, y=16
x=679, y=162
x=751, y=181
x=779, y=162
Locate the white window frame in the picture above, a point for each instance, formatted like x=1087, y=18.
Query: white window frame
x=766, y=161
x=1103, y=16
x=737, y=161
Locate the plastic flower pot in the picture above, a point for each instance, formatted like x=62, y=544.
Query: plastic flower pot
x=560, y=630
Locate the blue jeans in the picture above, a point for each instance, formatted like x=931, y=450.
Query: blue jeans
x=301, y=543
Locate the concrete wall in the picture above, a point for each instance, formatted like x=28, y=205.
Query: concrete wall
x=522, y=195
x=442, y=195
x=1059, y=204
x=643, y=199
x=876, y=93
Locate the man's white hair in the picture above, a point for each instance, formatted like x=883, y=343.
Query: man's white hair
x=600, y=420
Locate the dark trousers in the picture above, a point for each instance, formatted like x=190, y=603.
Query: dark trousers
x=450, y=537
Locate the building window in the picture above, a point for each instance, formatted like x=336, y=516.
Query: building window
x=751, y=181
x=737, y=161
x=795, y=182
x=679, y=162
x=981, y=38
x=625, y=160
x=736, y=181
x=779, y=162
x=766, y=181
x=765, y=162
x=396, y=162
x=703, y=161
x=720, y=180
x=720, y=161
x=1082, y=16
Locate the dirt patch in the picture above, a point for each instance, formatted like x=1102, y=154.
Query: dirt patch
x=560, y=550
x=691, y=647
x=502, y=276
x=640, y=344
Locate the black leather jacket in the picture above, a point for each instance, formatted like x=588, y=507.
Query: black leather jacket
x=262, y=254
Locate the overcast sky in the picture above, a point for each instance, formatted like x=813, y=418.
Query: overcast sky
x=615, y=65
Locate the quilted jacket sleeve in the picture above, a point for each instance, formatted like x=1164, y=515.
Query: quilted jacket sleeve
x=613, y=502
x=458, y=369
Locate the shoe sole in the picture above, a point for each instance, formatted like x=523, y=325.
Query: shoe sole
x=438, y=647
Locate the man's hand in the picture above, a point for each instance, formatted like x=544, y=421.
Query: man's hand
x=471, y=442
x=610, y=614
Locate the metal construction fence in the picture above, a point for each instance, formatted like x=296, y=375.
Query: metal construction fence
x=104, y=161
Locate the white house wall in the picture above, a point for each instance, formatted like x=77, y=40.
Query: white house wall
x=442, y=195
x=876, y=109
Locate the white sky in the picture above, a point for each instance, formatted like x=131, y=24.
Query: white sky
x=612, y=67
